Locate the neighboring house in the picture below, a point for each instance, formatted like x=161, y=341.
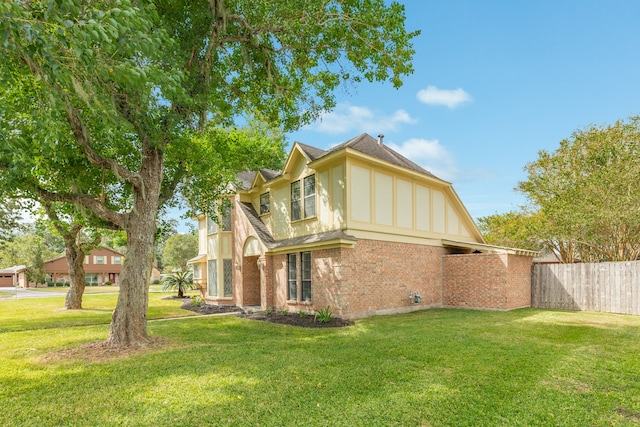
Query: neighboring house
x=359, y=228
x=100, y=265
x=13, y=276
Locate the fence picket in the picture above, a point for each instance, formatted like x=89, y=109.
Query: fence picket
x=608, y=287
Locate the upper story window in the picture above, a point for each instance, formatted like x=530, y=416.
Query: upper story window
x=100, y=259
x=226, y=218
x=265, y=203
x=225, y=223
x=303, y=200
x=212, y=227
x=117, y=260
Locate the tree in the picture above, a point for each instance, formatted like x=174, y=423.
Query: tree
x=179, y=249
x=586, y=193
x=10, y=218
x=512, y=229
x=78, y=241
x=116, y=106
x=182, y=280
x=30, y=249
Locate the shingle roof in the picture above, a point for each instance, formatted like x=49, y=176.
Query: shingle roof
x=263, y=232
x=245, y=179
x=363, y=143
x=367, y=144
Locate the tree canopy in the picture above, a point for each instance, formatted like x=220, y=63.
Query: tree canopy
x=179, y=249
x=116, y=106
x=586, y=194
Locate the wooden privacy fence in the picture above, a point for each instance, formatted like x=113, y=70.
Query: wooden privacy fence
x=612, y=287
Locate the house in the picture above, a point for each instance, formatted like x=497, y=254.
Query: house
x=13, y=276
x=100, y=265
x=359, y=228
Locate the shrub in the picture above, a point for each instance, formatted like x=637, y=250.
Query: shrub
x=268, y=310
x=284, y=312
x=323, y=315
x=303, y=314
x=59, y=284
x=108, y=283
x=180, y=280
x=50, y=284
x=196, y=301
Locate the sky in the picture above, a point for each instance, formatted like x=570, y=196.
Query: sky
x=495, y=82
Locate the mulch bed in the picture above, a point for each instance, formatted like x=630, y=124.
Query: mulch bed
x=293, y=319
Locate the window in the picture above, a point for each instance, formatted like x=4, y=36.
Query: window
x=197, y=274
x=91, y=279
x=295, y=201
x=227, y=272
x=310, y=196
x=117, y=260
x=303, y=203
x=212, y=277
x=100, y=259
x=212, y=227
x=265, y=204
x=226, y=218
x=292, y=290
x=304, y=274
x=305, y=267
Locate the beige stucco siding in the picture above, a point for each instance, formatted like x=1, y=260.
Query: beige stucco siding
x=360, y=191
x=397, y=203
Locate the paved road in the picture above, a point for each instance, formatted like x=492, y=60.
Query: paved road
x=10, y=293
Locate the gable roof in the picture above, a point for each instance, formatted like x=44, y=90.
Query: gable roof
x=363, y=143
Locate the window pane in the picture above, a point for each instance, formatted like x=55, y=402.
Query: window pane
x=212, y=227
x=305, y=260
x=295, y=201
x=227, y=265
x=212, y=277
x=196, y=271
x=310, y=196
x=292, y=290
x=265, y=204
x=226, y=219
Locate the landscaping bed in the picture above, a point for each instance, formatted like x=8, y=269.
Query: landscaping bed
x=285, y=318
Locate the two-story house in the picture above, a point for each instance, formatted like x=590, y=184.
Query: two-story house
x=101, y=265
x=359, y=228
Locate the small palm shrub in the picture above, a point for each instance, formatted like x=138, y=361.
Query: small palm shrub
x=180, y=280
x=323, y=315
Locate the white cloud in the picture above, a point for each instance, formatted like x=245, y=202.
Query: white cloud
x=346, y=118
x=451, y=98
x=430, y=155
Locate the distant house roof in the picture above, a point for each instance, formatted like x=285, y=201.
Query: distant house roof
x=13, y=270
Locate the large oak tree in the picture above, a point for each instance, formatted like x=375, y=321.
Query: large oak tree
x=116, y=106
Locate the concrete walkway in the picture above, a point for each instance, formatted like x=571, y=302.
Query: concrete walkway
x=7, y=294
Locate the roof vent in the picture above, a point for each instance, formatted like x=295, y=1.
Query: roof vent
x=380, y=138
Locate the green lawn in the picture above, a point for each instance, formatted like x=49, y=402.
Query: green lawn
x=431, y=368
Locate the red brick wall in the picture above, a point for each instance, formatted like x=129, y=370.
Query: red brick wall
x=375, y=277
x=250, y=282
x=488, y=281
x=519, y=293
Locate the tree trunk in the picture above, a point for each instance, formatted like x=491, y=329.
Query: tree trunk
x=75, y=259
x=129, y=319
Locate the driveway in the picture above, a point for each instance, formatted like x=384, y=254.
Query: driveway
x=10, y=293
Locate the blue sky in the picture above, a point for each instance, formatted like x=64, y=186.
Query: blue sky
x=494, y=83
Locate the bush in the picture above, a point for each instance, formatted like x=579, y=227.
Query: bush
x=59, y=284
x=196, y=301
x=155, y=282
x=50, y=284
x=108, y=283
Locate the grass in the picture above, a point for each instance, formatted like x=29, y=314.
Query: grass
x=431, y=368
